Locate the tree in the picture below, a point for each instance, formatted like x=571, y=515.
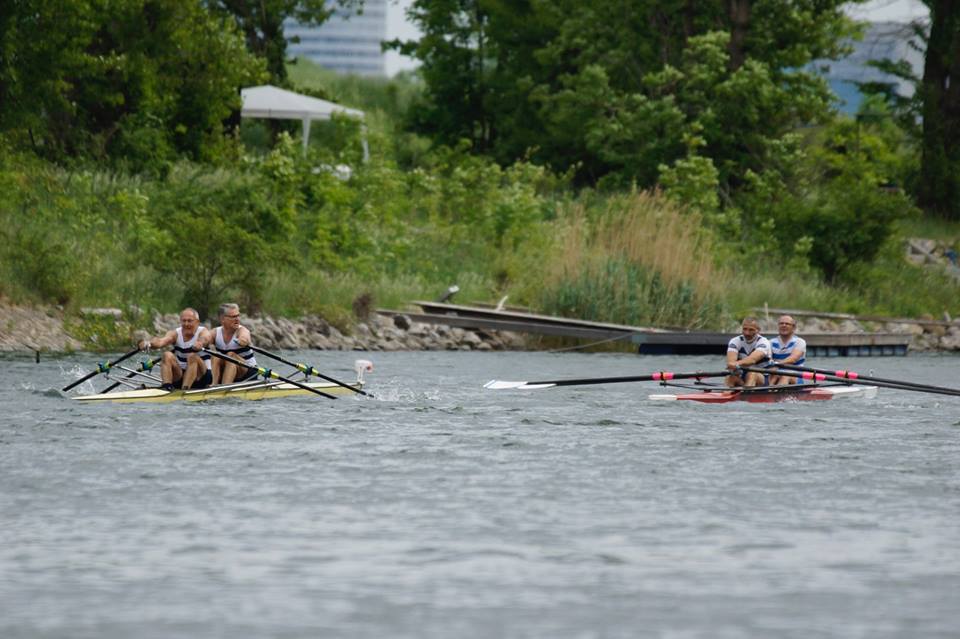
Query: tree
x=559, y=80
x=134, y=80
x=216, y=231
x=457, y=67
x=262, y=21
x=939, y=187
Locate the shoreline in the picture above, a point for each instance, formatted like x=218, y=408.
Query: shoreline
x=31, y=329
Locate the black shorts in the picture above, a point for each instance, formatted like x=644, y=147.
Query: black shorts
x=245, y=373
x=201, y=382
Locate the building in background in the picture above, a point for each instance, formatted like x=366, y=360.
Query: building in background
x=346, y=43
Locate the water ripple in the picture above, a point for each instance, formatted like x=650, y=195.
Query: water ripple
x=439, y=509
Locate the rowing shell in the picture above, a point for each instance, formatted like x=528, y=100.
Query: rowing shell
x=770, y=394
x=255, y=391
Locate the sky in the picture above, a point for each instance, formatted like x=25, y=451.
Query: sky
x=874, y=11
x=889, y=10
x=398, y=27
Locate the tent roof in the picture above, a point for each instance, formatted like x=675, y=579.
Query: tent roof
x=272, y=102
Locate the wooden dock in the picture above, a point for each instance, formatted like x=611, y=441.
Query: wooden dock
x=649, y=341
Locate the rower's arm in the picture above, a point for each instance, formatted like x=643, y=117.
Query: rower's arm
x=243, y=336
x=732, y=359
x=204, y=339
x=795, y=356
x=755, y=357
x=159, y=342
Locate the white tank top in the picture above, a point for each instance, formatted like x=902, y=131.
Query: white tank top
x=183, y=349
x=233, y=347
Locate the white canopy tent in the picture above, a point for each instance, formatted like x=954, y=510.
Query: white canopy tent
x=273, y=102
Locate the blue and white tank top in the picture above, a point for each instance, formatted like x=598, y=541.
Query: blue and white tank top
x=183, y=349
x=233, y=347
x=744, y=348
x=781, y=350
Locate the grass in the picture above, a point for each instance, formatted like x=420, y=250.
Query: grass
x=335, y=296
x=636, y=259
x=945, y=231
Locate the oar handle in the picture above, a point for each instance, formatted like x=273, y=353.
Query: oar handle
x=309, y=370
x=268, y=373
x=101, y=368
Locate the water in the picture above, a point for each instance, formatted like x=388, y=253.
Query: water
x=439, y=509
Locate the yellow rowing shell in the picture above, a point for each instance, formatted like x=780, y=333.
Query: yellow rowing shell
x=273, y=390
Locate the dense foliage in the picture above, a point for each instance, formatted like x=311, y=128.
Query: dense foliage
x=595, y=85
x=648, y=163
x=125, y=82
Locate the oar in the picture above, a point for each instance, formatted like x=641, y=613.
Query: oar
x=102, y=367
x=144, y=367
x=497, y=384
x=849, y=375
x=307, y=369
x=819, y=377
x=267, y=373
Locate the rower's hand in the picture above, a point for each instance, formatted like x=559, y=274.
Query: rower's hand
x=144, y=345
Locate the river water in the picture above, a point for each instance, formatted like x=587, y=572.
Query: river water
x=439, y=509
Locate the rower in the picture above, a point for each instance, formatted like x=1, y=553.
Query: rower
x=233, y=340
x=750, y=348
x=787, y=348
x=183, y=367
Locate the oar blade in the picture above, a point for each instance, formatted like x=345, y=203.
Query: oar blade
x=499, y=384
x=310, y=370
x=102, y=368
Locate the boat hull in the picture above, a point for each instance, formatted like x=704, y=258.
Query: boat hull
x=248, y=392
x=773, y=395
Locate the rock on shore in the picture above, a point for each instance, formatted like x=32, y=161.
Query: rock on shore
x=378, y=333
x=26, y=329
x=29, y=329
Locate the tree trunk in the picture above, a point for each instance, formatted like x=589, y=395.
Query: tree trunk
x=939, y=189
x=739, y=13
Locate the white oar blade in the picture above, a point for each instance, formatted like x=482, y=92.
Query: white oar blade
x=498, y=384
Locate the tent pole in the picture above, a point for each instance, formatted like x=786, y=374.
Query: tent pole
x=363, y=141
x=306, y=135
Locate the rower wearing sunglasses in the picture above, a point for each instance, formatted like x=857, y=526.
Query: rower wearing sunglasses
x=787, y=348
x=233, y=340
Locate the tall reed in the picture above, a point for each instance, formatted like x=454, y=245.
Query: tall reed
x=635, y=258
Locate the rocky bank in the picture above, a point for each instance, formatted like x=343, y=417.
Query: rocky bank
x=26, y=329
